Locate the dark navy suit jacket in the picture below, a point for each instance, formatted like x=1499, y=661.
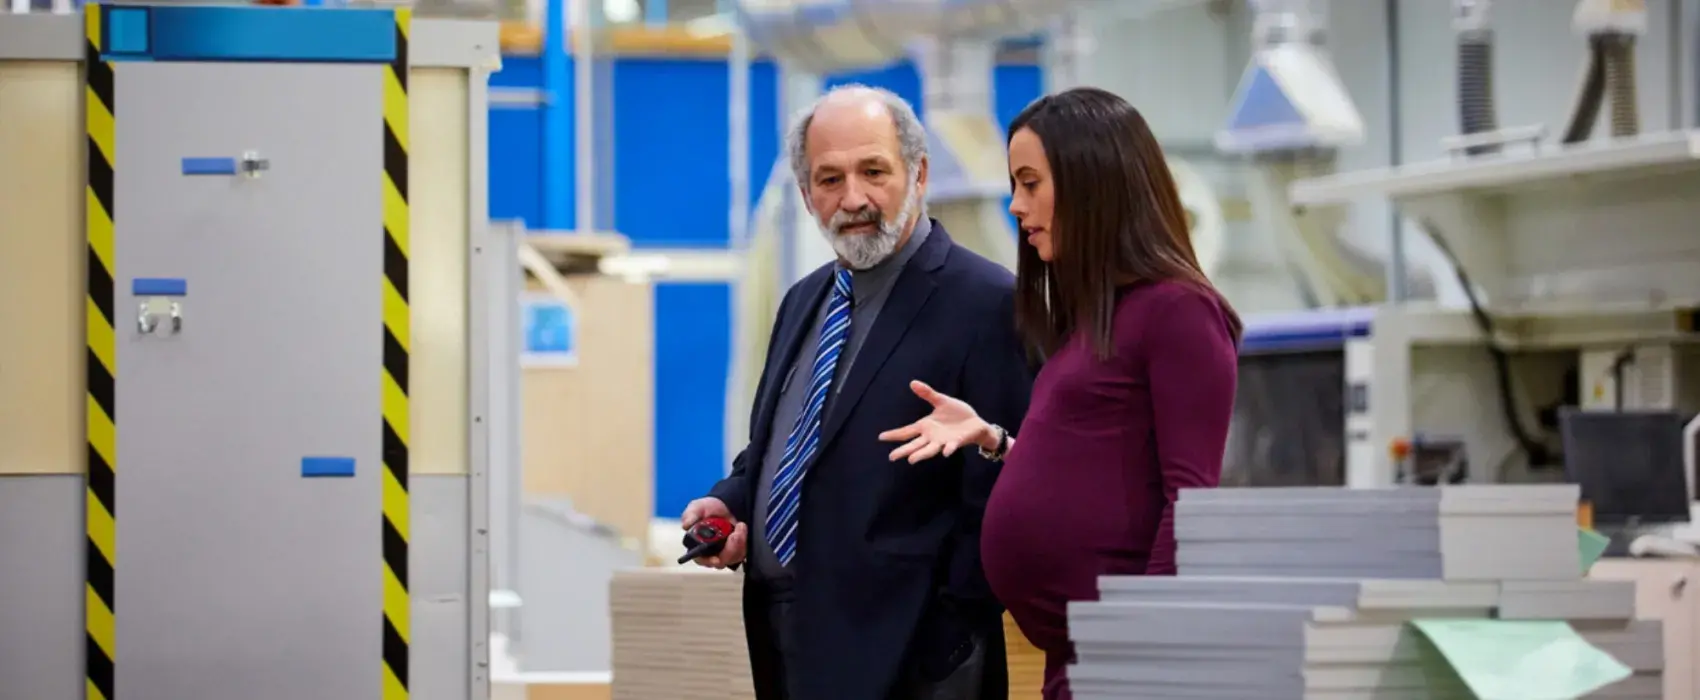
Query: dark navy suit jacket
x=887, y=571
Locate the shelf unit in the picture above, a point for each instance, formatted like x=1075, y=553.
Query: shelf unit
x=1567, y=248
x=1555, y=228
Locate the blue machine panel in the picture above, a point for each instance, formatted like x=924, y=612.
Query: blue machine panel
x=327, y=466
x=1265, y=104
x=209, y=166
x=259, y=34
x=159, y=287
x=1317, y=329
x=127, y=31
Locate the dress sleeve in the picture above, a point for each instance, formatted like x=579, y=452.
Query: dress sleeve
x=1192, y=365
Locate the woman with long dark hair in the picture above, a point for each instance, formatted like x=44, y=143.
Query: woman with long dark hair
x=1139, y=357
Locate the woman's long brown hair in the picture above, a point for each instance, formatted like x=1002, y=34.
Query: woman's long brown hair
x=1117, y=220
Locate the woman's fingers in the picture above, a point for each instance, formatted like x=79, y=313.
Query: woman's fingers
x=920, y=446
x=927, y=393
x=907, y=432
x=929, y=451
x=908, y=448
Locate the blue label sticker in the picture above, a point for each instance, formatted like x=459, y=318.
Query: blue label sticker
x=159, y=287
x=551, y=332
x=327, y=466
x=209, y=166
x=260, y=34
x=127, y=31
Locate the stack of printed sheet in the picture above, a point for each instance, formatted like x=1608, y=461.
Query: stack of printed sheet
x=1467, y=533
x=679, y=635
x=1482, y=588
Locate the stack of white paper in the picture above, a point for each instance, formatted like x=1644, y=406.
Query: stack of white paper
x=1469, y=533
x=679, y=635
x=1249, y=651
x=1311, y=594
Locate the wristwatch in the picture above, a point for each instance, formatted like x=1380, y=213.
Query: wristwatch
x=996, y=454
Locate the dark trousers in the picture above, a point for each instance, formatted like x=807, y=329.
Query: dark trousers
x=962, y=683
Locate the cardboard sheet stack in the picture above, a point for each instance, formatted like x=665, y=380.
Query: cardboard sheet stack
x=679, y=635
x=1303, y=594
x=1025, y=662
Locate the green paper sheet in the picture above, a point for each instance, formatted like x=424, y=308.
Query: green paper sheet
x=1590, y=545
x=1522, y=660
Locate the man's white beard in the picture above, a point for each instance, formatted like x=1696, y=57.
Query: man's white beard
x=861, y=251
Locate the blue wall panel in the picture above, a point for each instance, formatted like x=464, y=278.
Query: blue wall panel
x=693, y=343
x=1015, y=86
x=765, y=126
x=900, y=78
x=516, y=148
x=671, y=135
x=671, y=191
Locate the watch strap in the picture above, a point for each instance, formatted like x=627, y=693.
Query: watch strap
x=996, y=454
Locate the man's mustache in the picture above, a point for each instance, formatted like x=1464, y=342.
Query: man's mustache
x=865, y=215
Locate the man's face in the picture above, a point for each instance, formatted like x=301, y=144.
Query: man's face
x=862, y=195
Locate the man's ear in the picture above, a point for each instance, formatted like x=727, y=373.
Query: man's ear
x=803, y=197
x=921, y=174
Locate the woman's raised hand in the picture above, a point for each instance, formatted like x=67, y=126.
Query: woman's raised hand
x=952, y=425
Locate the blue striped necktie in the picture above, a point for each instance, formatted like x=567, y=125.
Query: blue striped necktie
x=800, y=446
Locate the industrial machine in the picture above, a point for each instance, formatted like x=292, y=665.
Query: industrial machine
x=1582, y=279
x=247, y=385
x=1290, y=360
x=1289, y=117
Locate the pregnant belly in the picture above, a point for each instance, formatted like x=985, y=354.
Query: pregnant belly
x=1050, y=531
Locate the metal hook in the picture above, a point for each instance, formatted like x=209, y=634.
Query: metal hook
x=251, y=164
x=145, y=322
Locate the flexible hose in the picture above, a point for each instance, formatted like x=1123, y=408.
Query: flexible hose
x=1591, y=95
x=1532, y=447
x=1619, y=50
x=1475, y=87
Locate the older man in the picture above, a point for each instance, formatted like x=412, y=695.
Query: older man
x=864, y=578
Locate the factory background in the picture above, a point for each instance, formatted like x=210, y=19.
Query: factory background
x=1179, y=66
x=628, y=154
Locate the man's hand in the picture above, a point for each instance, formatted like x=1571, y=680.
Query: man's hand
x=733, y=553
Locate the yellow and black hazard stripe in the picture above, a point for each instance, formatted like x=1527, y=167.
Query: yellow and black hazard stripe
x=101, y=508
x=397, y=342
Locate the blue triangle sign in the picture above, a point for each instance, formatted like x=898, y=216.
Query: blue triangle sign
x=1264, y=104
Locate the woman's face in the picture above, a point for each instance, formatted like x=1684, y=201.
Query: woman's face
x=1032, y=200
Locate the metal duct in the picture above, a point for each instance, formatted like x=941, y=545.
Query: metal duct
x=1619, y=55
x=1476, y=110
x=824, y=36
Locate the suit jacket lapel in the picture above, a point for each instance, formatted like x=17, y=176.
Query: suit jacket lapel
x=914, y=286
x=790, y=341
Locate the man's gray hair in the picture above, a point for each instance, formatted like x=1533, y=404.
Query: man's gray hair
x=911, y=136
